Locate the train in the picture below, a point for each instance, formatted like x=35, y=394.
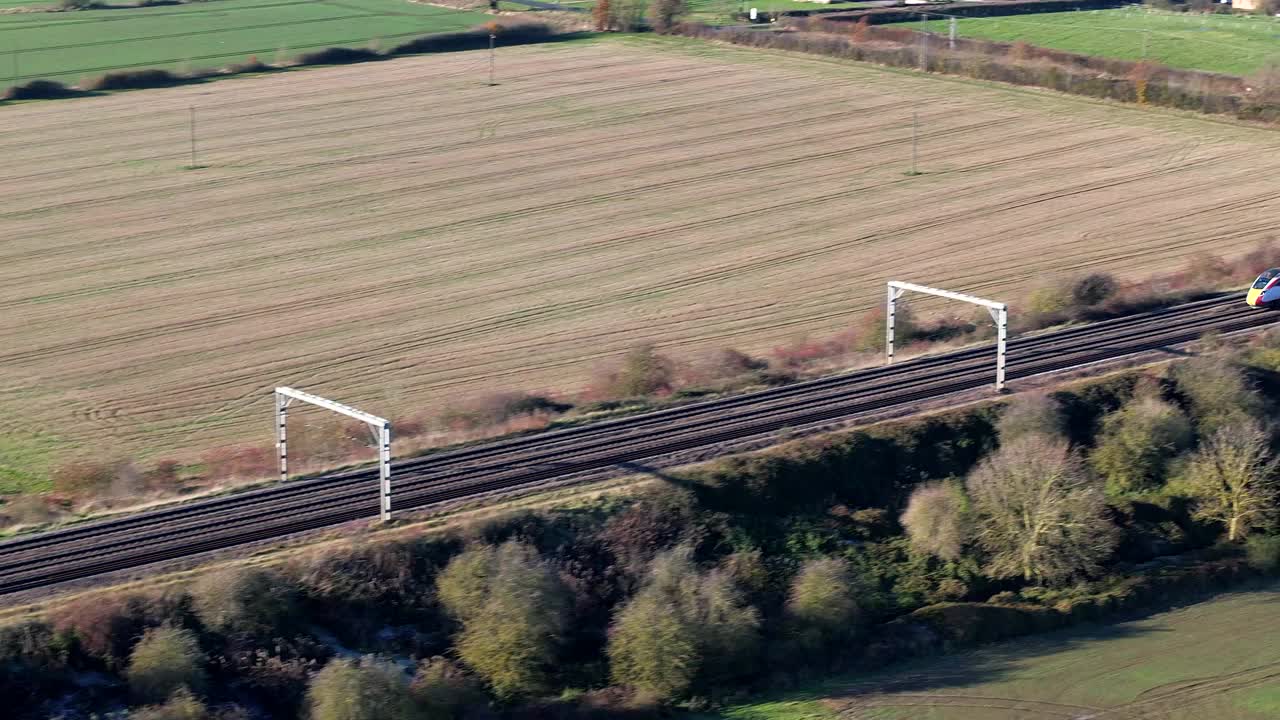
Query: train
x=1265, y=292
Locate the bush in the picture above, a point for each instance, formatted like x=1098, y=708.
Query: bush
x=512, y=607
x=644, y=372
x=135, y=80
x=936, y=520
x=1092, y=290
x=40, y=90
x=1031, y=414
x=337, y=56
x=1137, y=444
x=822, y=610
x=964, y=624
x=165, y=660
x=682, y=632
x=443, y=691
x=368, y=689
x=249, y=601
x=182, y=705
x=33, y=666
x=84, y=477
x=1263, y=552
x=1218, y=392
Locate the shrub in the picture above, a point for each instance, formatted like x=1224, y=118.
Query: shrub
x=135, y=79
x=512, y=608
x=963, y=624
x=26, y=510
x=1218, y=392
x=1093, y=289
x=40, y=90
x=105, y=627
x=443, y=691
x=682, y=631
x=84, y=477
x=1263, y=552
x=250, y=601
x=182, y=705
x=1138, y=442
x=367, y=689
x=936, y=520
x=665, y=12
x=644, y=372
x=337, y=56
x=165, y=660
x=822, y=609
x=33, y=666
x=1031, y=414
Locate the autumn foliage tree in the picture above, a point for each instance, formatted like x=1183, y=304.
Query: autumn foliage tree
x=1137, y=443
x=602, y=15
x=822, y=607
x=1037, y=513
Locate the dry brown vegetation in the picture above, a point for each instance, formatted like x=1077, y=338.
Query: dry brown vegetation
x=402, y=236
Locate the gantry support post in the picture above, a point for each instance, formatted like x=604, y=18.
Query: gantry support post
x=999, y=313
x=380, y=427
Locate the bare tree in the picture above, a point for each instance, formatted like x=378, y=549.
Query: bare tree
x=1233, y=479
x=935, y=520
x=1038, y=514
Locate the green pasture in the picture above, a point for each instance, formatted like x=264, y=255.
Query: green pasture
x=69, y=46
x=1233, y=44
x=1217, y=659
x=721, y=10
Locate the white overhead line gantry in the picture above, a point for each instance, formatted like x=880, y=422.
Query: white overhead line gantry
x=999, y=313
x=380, y=426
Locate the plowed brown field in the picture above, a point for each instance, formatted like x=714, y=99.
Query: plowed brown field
x=401, y=235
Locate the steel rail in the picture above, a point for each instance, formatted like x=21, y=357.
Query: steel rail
x=88, y=549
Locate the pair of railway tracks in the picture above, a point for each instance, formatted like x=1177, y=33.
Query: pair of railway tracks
x=178, y=531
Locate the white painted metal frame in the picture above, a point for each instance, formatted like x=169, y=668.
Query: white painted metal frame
x=999, y=313
x=381, y=431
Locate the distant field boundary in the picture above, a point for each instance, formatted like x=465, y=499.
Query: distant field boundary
x=1142, y=83
x=883, y=16
x=519, y=33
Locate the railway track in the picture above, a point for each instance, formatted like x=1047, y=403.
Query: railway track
x=84, y=550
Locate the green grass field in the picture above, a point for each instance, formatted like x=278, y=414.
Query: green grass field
x=72, y=46
x=1218, y=659
x=1237, y=45
x=721, y=10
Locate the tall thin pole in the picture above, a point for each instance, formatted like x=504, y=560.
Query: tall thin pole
x=1002, y=334
x=193, y=137
x=384, y=469
x=492, y=37
x=915, y=131
x=890, y=311
x=951, y=35
x=282, y=412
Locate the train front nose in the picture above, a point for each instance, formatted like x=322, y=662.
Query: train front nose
x=1254, y=298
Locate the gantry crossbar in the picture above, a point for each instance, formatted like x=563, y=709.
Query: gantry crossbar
x=999, y=313
x=380, y=426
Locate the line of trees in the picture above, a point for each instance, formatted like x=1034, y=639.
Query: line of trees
x=750, y=572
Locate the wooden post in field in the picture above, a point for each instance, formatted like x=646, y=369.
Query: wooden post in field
x=492, y=37
x=951, y=35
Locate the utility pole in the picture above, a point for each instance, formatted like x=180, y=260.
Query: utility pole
x=492, y=38
x=915, y=128
x=193, y=137
x=951, y=35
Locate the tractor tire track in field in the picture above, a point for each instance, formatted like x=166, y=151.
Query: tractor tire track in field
x=340, y=238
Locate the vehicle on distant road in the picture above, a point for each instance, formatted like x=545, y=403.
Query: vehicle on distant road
x=1265, y=292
